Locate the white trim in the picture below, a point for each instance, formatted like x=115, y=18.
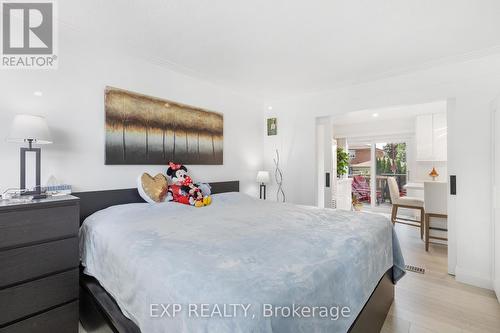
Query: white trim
x=365, y=138
x=319, y=164
x=452, y=223
x=495, y=271
x=497, y=289
x=373, y=175
x=472, y=278
x=324, y=148
x=493, y=187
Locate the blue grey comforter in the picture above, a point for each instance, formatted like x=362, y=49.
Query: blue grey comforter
x=239, y=265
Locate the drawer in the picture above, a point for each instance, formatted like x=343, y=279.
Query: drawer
x=61, y=319
x=25, y=263
x=36, y=296
x=37, y=224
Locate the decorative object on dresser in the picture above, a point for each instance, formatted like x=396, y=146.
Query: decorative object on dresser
x=263, y=179
x=56, y=187
x=278, y=176
x=33, y=130
x=147, y=130
x=39, y=265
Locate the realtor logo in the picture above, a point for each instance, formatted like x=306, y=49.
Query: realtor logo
x=28, y=35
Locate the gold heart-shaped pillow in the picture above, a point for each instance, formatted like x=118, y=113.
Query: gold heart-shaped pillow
x=154, y=189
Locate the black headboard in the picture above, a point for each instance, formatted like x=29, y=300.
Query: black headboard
x=91, y=202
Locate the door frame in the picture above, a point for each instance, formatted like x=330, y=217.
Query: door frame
x=450, y=109
x=325, y=161
x=495, y=209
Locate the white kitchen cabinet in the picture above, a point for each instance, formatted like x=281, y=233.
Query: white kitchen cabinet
x=440, y=137
x=423, y=134
x=431, y=137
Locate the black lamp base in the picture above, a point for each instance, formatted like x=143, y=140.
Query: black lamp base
x=263, y=191
x=38, y=152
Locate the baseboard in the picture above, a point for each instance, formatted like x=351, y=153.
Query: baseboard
x=473, y=279
x=497, y=288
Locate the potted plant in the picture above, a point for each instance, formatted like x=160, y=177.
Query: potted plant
x=342, y=162
x=356, y=204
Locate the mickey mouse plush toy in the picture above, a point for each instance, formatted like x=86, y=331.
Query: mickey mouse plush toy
x=182, y=189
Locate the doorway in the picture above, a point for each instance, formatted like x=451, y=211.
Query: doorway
x=404, y=142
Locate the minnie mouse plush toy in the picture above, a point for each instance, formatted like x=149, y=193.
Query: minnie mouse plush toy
x=183, y=190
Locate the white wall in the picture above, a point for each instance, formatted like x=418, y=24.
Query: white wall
x=373, y=128
x=73, y=103
x=470, y=85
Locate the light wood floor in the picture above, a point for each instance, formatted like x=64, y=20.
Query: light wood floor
x=434, y=301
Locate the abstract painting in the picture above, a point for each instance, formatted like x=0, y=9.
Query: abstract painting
x=148, y=130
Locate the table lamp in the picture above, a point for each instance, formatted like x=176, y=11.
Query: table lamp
x=263, y=179
x=33, y=130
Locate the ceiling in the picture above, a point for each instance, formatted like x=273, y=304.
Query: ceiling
x=275, y=48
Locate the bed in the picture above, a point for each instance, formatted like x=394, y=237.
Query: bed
x=138, y=259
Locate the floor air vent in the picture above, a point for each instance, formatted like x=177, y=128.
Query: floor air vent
x=415, y=269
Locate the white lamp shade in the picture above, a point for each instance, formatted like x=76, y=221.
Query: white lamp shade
x=27, y=127
x=263, y=177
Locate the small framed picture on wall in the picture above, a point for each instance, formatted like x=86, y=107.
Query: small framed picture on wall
x=272, y=126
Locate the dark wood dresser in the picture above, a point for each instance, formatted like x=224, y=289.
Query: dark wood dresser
x=39, y=266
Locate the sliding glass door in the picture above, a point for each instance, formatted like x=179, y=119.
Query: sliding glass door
x=371, y=163
x=360, y=170
x=391, y=161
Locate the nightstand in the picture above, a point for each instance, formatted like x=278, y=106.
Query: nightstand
x=39, y=265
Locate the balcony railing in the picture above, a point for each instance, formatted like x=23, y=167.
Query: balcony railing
x=361, y=187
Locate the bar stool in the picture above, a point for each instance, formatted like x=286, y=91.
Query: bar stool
x=436, y=205
x=405, y=202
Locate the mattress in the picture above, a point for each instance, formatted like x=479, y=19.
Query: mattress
x=239, y=265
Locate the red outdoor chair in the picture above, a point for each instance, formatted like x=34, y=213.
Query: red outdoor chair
x=361, y=189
